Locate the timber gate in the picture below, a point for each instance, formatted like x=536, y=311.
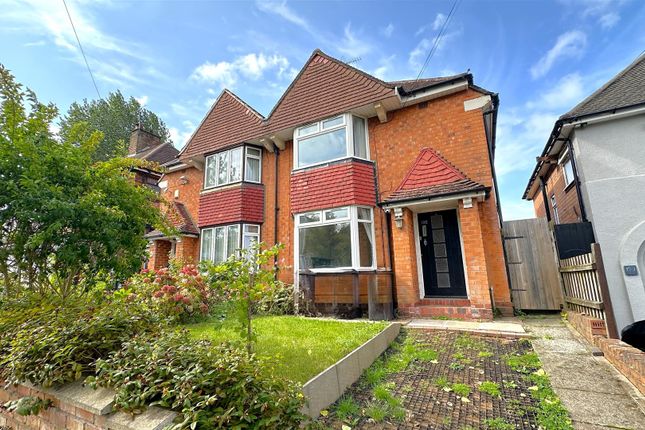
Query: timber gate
x=532, y=265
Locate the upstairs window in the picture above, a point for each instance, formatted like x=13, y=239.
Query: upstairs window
x=331, y=139
x=567, y=167
x=226, y=167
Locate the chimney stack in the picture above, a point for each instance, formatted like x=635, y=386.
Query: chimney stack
x=142, y=140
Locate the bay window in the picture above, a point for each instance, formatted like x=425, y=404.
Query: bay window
x=339, y=238
x=331, y=139
x=226, y=167
x=220, y=243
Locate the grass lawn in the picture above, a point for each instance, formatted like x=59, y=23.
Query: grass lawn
x=303, y=346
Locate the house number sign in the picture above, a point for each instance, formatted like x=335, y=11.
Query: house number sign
x=631, y=270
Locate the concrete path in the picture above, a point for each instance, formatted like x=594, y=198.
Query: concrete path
x=594, y=392
x=503, y=327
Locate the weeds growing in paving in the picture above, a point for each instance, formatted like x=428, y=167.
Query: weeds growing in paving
x=448, y=380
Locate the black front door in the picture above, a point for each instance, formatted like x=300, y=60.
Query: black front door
x=443, y=268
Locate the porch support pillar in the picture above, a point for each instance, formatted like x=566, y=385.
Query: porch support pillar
x=405, y=260
x=475, y=258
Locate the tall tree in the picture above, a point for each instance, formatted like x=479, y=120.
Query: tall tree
x=115, y=117
x=65, y=219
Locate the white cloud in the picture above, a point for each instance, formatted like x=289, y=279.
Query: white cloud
x=351, y=45
x=517, y=210
x=281, y=9
x=569, y=90
x=418, y=54
x=569, y=45
x=420, y=30
x=112, y=59
x=180, y=137
x=143, y=100
x=388, y=30
x=608, y=20
x=251, y=66
x=438, y=21
x=384, y=69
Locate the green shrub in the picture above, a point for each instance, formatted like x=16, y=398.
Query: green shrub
x=211, y=386
x=279, y=300
x=177, y=291
x=51, y=344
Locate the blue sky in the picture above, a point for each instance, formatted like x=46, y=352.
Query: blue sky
x=176, y=56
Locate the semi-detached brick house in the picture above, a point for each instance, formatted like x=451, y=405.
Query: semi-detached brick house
x=391, y=182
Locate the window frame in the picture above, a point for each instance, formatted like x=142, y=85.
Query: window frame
x=554, y=206
x=352, y=218
x=240, y=238
x=347, y=124
x=228, y=151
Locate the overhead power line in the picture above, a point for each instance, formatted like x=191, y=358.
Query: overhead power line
x=82, y=51
x=437, y=39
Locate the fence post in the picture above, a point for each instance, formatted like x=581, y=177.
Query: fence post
x=612, y=330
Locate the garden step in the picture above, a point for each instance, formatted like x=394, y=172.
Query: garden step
x=97, y=402
x=153, y=418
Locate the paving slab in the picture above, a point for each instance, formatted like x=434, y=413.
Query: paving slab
x=594, y=393
x=494, y=327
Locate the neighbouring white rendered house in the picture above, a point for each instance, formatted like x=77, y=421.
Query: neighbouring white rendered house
x=598, y=149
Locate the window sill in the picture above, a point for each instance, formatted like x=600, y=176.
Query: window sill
x=227, y=186
x=331, y=163
x=337, y=271
x=570, y=186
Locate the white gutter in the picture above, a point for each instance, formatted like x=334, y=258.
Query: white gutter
x=433, y=92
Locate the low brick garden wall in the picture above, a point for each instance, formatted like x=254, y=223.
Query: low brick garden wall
x=627, y=359
x=75, y=407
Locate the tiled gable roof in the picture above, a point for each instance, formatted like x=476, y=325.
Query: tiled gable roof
x=179, y=218
x=625, y=89
x=431, y=175
x=230, y=121
x=325, y=86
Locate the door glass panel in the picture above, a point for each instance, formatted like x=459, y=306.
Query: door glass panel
x=442, y=264
x=443, y=280
x=438, y=236
x=436, y=221
x=440, y=250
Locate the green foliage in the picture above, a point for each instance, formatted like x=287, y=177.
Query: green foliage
x=498, y=424
x=523, y=363
x=442, y=382
x=491, y=388
x=212, y=386
x=26, y=406
x=114, y=116
x=245, y=279
x=278, y=300
x=52, y=344
x=178, y=292
x=67, y=222
x=347, y=409
x=462, y=390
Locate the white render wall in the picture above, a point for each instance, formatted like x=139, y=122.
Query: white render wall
x=610, y=158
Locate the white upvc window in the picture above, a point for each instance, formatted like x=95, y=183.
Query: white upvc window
x=336, y=239
x=226, y=167
x=331, y=139
x=219, y=243
x=554, y=205
x=567, y=167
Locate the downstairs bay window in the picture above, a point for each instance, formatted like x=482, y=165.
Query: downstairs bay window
x=220, y=243
x=333, y=239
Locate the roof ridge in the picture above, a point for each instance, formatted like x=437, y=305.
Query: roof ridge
x=605, y=86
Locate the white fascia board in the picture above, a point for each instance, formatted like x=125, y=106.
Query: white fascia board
x=479, y=195
x=434, y=92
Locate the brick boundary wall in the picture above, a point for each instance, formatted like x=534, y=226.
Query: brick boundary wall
x=628, y=360
x=75, y=407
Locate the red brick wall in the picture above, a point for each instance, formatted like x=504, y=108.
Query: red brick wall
x=566, y=198
x=187, y=250
x=350, y=182
x=61, y=415
x=188, y=182
x=159, y=251
x=240, y=202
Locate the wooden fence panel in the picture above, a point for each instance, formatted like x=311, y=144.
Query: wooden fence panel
x=532, y=265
